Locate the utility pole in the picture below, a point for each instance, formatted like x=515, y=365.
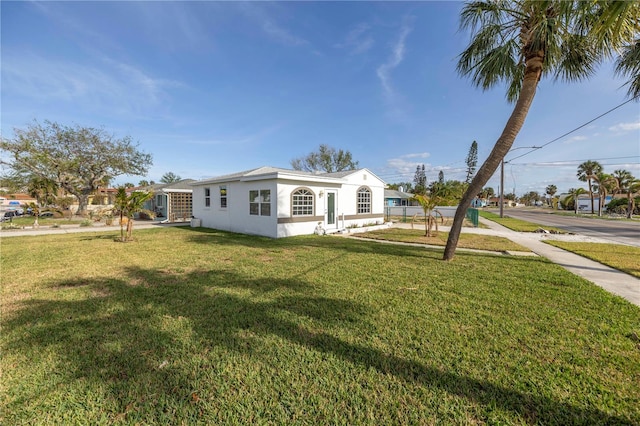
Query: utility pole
x=502, y=175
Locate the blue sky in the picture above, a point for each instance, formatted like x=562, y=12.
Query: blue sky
x=211, y=88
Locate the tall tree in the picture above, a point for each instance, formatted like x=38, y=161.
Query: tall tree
x=78, y=159
x=170, y=177
x=441, y=176
x=602, y=182
x=520, y=41
x=586, y=171
x=326, y=159
x=420, y=180
x=626, y=183
x=405, y=186
x=472, y=161
x=551, y=191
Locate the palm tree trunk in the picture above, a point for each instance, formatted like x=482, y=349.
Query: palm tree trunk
x=500, y=149
x=591, y=196
x=129, y=228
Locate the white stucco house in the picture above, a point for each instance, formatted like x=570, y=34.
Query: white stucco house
x=277, y=203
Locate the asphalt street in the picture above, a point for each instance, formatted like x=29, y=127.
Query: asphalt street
x=615, y=231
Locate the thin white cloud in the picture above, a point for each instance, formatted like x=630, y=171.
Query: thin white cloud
x=395, y=59
x=282, y=35
x=576, y=139
x=109, y=87
x=625, y=127
x=357, y=41
x=257, y=137
x=417, y=155
x=258, y=13
x=404, y=165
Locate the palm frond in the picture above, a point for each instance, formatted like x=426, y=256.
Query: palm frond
x=628, y=65
x=577, y=59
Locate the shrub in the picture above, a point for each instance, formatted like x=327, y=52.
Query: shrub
x=619, y=205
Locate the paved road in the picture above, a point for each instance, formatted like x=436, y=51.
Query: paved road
x=616, y=231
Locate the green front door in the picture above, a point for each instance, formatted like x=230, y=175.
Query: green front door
x=331, y=208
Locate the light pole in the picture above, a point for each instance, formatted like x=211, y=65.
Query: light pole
x=502, y=175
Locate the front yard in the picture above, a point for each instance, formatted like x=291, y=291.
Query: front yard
x=200, y=326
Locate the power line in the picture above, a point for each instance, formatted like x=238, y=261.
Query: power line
x=433, y=168
x=577, y=128
x=552, y=163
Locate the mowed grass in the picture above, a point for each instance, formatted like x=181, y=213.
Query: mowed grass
x=470, y=241
x=194, y=326
x=517, y=225
x=617, y=256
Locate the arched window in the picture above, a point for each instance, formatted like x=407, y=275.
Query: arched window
x=364, y=200
x=302, y=202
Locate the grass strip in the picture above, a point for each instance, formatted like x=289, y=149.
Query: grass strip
x=620, y=257
x=467, y=240
x=517, y=225
x=197, y=326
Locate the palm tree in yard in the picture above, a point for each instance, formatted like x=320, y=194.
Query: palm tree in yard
x=518, y=42
x=127, y=205
x=44, y=191
x=428, y=203
x=586, y=171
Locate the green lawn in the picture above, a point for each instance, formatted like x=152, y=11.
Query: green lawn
x=617, y=256
x=194, y=326
x=517, y=225
x=472, y=241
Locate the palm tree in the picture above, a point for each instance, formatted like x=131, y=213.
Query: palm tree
x=520, y=41
x=574, y=195
x=127, y=206
x=628, y=65
x=586, y=171
x=602, y=182
x=428, y=203
x=551, y=191
x=632, y=190
x=625, y=182
x=44, y=191
x=170, y=177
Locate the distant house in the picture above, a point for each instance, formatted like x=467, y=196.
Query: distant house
x=393, y=198
x=276, y=202
x=14, y=201
x=171, y=201
x=478, y=202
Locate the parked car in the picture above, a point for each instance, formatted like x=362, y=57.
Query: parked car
x=46, y=214
x=7, y=216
